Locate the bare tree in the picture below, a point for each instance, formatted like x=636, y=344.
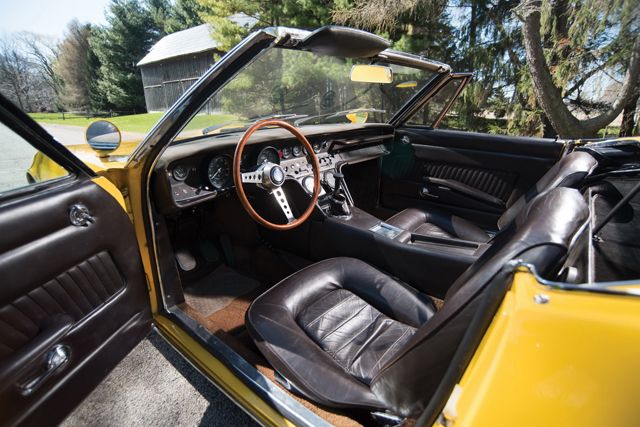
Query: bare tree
x=42, y=53
x=22, y=79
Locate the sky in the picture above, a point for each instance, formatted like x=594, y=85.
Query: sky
x=49, y=17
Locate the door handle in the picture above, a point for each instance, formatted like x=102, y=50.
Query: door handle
x=55, y=359
x=27, y=362
x=425, y=192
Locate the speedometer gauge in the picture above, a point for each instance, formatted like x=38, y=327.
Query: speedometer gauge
x=219, y=171
x=269, y=155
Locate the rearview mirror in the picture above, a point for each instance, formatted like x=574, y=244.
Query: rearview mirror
x=103, y=137
x=371, y=74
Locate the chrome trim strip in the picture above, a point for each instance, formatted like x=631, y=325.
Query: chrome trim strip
x=523, y=267
x=402, y=58
x=288, y=407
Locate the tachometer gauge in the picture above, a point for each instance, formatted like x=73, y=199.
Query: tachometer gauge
x=269, y=154
x=219, y=171
x=297, y=150
x=180, y=172
x=286, y=152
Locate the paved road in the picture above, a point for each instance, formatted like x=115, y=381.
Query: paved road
x=74, y=135
x=154, y=385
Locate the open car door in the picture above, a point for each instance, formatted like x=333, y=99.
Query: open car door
x=73, y=297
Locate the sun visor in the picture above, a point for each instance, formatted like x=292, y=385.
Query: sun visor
x=344, y=42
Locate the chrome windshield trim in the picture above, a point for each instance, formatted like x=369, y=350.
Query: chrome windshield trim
x=410, y=60
x=269, y=392
x=601, y=288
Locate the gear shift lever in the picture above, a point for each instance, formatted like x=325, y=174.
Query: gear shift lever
x=338, y=183
x=339, y=205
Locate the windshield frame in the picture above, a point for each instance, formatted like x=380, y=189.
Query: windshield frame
x=234, y=62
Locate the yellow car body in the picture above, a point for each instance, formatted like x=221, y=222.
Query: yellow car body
x=551, y=355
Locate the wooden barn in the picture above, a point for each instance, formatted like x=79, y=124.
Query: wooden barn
x=177, y=61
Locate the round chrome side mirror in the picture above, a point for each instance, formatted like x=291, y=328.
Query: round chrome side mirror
x=103, y=137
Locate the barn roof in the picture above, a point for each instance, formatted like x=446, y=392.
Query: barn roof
x=192, y=40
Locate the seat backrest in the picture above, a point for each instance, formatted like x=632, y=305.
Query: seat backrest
x=541, y=234
x=570, y=172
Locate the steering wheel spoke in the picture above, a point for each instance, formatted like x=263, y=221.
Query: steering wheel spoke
x=278, y=193
x=270, y=177
x=252, y=177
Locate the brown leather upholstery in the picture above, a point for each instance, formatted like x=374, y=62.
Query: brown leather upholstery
x=569, y=172
x=346, y=334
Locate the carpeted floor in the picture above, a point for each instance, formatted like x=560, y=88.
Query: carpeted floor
x=219, y=303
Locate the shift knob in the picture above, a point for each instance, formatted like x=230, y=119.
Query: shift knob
x=339, y=178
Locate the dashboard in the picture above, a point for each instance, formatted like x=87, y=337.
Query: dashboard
x=198, y=170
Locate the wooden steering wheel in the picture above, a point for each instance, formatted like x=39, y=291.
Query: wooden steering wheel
x=270, y=177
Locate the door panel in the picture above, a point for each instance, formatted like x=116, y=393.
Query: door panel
x=475, y=176
x=73, y=298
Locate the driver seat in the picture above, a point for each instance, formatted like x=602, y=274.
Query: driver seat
x=345, y=334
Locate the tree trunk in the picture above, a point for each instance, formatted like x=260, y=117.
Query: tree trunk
x=549, y=95
x=629, y=113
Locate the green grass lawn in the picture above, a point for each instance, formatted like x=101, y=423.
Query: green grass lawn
x=141, y=123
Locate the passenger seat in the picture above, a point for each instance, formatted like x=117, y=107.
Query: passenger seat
x=569, y=172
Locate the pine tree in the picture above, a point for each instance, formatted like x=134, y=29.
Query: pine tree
x=130, y=33
x=291, y=13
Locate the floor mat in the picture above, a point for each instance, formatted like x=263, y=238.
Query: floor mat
x=218, y=290
x=251, y=354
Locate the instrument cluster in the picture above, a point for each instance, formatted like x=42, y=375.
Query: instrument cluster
x=193, y=179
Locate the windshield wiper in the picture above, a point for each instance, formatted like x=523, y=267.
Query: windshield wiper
x=338, y=114
x=248, y=122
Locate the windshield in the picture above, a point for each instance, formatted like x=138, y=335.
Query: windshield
x=304, y=88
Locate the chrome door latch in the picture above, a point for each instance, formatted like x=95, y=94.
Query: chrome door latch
x=405, y=140
x=425, y=193
x=55, y=359
x=79, y=216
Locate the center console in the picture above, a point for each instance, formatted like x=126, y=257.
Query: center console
x=429, y=264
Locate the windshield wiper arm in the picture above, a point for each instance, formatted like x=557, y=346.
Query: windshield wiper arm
x=339, y=114
x=254, y=120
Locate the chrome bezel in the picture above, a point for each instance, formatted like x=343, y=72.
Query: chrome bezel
x=173, y=172
x=273, y=150
x=221, y=183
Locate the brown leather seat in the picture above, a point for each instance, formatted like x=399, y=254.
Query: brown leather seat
x=346, y=334
x=569, y=172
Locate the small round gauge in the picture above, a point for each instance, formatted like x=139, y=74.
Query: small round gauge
x=219, y=171
x=317, y=146
x=270, y=155
x=180, y=172
x=304, y=151
x=297, y=150
x=286, y=152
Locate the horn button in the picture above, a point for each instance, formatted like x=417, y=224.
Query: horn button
x=272, y=176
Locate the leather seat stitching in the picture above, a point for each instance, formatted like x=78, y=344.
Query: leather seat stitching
x=331, y=309
x=356, y=336
x=388, y=350
x=344, y=323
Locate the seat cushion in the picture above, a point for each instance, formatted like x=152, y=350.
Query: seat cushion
x=438, y=223
x=340, y=319
x=356, y=335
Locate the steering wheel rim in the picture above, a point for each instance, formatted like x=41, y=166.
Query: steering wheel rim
x=237, y=175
